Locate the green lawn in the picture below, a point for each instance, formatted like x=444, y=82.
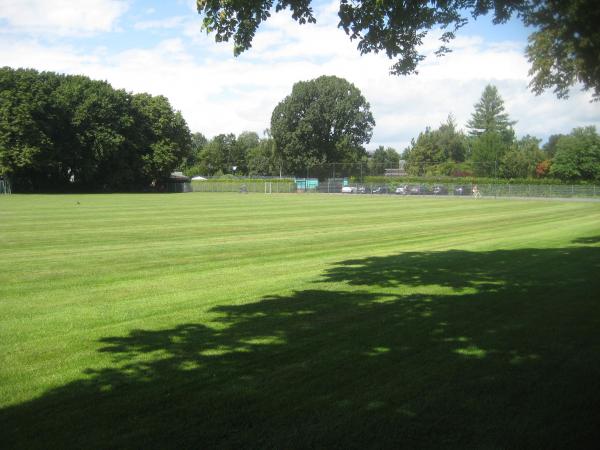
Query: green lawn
x=294, y=321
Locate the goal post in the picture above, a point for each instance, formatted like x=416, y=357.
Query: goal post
x=268, y=187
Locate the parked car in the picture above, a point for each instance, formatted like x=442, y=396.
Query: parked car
x=440, y=189
x=349, y=190
x=462, y=190
x=381, y=190
x=364, y=190
x=402, y=190
x=419, y=189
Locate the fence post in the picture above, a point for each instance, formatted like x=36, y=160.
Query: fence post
x=306, y=182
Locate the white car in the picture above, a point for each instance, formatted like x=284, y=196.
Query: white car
x=402, y=190
x=349, y=190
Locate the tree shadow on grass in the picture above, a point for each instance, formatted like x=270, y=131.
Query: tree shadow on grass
x=587, y=240
x=445, y=349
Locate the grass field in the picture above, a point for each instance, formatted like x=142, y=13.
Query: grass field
x=297, y=321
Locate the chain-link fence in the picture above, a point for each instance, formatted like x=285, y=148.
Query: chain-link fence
x=264, y=186
x=550, y=191
x=371, y=178
x=397, y=187
x=4, y=186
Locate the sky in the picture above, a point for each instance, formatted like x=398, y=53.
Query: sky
x=158, y=47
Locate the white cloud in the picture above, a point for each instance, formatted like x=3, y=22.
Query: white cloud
x=220, y=94
x=62, y=17
x=31, y=53
x=168, y=23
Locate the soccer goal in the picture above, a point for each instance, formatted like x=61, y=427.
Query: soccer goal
x=268, y=187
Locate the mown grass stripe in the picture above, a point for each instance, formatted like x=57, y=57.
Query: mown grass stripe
x=358, y=311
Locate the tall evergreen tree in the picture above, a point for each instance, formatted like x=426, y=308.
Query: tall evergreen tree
x=489, y=116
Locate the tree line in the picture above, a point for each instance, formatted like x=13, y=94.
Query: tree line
x=65, y=132
x=327, y=120
x=248, y=154
x=322, y=121
x=490, y=148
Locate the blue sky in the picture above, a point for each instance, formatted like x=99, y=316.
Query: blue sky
x=158, y=47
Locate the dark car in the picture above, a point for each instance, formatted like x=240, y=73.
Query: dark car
x=381, y=190
x=364, y=190
x=419, y=189
x=462, y=190
x=440, y=189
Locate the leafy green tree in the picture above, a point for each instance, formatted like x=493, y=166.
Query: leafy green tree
x=486, y=152
x=423, y=153
x=246, y=141
x=166, y=140
x=192, y=165
x=26, y=145
x=578, y=155
x=563, y=49
x=220, y=155
x=436, y=147
x=93, y=136
x=523, y=158
x=383, y=158
x=322, y=121
x=550, y=146
x=198, y=142
x=60, y=132
x=452, y=141
x=262, y=159
x=490, y=117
